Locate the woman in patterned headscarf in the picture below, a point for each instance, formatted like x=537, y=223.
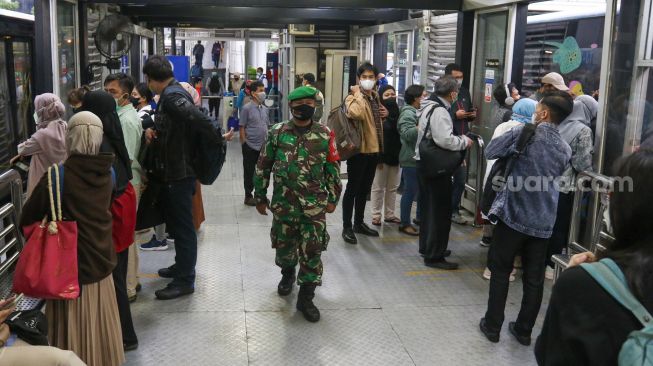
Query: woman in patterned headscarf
x=47, y=145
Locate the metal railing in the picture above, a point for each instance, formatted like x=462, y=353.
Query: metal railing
x=11, y=244
x=477, y=189
x=600, y=186
x=11, y=240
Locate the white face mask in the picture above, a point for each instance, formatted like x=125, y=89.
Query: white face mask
x=36, y=117
x=367, y=84
x=460, y=82
x=261, y=96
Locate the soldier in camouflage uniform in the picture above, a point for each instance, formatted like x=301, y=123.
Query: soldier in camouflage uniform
x=303, y=159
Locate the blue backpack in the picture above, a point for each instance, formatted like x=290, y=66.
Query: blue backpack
x=637, y=350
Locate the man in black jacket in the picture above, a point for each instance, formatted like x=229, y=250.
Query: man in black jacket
x=178, y=121
x=462, y=113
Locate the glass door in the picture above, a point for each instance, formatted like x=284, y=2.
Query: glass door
x=488, y=72
x=6, y=119
x=402, y=61
x=22, y=62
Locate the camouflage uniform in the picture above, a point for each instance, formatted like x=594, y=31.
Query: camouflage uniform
x=306, y=178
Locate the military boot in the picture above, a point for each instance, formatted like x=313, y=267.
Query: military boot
x=287, y=281
x=305, y=303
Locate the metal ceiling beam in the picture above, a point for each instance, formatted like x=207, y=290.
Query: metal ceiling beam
x=243, y=16
x=346, y=4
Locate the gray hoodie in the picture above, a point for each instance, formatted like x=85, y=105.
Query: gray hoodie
x=441, y=129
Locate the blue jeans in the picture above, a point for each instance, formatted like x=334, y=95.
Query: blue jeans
x=411, y=191
x=178, y=212
x=459, y=178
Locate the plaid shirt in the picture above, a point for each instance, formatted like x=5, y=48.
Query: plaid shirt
x=378, y=122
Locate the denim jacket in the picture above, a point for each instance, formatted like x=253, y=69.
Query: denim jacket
x=530, y=201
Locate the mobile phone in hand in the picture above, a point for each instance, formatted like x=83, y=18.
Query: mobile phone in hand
x=11, y=302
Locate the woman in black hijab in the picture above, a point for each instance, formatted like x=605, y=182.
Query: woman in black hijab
x=386, y=178
x=103, y=105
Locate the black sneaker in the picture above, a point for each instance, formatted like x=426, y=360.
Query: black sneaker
x=365, y=230
x=522, y=339
x=349, y=236
x=173, y=292
x=440, y=264
x=169, y=272
x=130, y=346
x=486, y=241
x=250, y=201
x=416, y=221
x=491, y=336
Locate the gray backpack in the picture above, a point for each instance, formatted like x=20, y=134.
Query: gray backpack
x=348, y=137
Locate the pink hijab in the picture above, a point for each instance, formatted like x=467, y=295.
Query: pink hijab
x=47, y=145
x=193, y=93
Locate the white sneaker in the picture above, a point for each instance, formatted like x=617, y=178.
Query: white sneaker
x=487, y=274
x=549, y=273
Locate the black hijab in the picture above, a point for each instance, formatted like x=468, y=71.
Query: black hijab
x=103, y=105
x=389, y=104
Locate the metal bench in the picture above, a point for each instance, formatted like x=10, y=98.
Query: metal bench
x=600, y=186
x=11, y=240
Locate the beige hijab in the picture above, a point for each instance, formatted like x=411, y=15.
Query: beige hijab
x=84, y=134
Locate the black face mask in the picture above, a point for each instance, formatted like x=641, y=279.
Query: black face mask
x=303, y=112
x=75, y=110
x=134, y=101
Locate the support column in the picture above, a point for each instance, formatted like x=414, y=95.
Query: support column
x=247, y=54
x=159, y=43
x=43, y=78
x=173, y=41
x=519, y=47
x=465, y=43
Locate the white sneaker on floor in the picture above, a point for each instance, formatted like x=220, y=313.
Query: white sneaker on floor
x=487, y=274
x=549, y=273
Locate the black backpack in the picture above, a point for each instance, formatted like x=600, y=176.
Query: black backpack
x=496, y=180
x=210, y=149
x=214, y=84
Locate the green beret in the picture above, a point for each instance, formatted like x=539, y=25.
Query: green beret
x=302, y=92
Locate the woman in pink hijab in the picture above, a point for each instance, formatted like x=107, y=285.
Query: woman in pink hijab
x=193, y=93
x=47, y=145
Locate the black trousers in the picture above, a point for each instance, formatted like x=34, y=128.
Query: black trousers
x=120, y=284
x=360, y=176
x=214, y=104
x=435, y=215
x=505, y=245
x=560, y=235
x=250, y=158
x=178, y=211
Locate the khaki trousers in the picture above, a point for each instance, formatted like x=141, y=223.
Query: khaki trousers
x=384, y=190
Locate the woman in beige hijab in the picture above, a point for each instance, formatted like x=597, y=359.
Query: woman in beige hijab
x=88, y=325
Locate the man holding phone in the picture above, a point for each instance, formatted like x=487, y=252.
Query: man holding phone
x=462, y=113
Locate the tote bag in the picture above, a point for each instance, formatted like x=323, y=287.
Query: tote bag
x=47, y=266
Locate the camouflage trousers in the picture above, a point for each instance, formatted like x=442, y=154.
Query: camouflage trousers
x=300, y=240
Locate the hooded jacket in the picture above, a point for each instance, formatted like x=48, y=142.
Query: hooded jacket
x=86, y=198
x=441, y=128
x=407, y=126
x=576, y=132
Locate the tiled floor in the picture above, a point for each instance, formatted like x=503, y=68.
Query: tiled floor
x=380, y=305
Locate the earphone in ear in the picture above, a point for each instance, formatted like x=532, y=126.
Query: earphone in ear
x=509, y=99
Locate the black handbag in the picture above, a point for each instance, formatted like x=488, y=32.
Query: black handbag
x=30, y=326
x=150, y=208
x=435, y=161
x=496, y=180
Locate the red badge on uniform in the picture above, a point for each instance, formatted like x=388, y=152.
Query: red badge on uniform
x=333, y=150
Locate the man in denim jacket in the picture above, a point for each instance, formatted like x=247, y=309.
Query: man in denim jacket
x=525, y=213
